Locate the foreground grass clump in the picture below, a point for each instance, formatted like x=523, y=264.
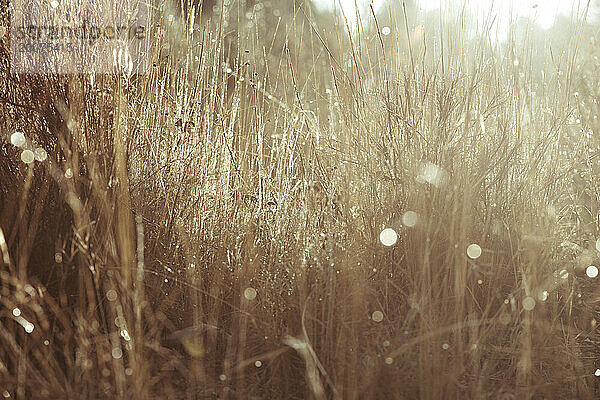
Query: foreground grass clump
x=213, y=229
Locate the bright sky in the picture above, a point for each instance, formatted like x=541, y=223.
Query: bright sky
x=543, y=12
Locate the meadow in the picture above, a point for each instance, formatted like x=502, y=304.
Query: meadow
x=300, y=205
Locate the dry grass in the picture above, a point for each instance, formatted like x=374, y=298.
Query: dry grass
x=240, y=188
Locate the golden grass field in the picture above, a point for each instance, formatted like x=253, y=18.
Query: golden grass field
x=291, y=206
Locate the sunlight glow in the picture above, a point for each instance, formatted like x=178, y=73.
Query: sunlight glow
x=541, y=12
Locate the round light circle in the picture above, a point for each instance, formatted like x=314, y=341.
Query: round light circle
x=27, y=156
x=250, y=293
x=528, y=303
x=474, y=251
x=17, y=139
x=377, y=316
x=388, y=237
x=409, y=219
x=41, y=155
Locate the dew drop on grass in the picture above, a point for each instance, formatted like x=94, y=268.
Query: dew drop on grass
x=16, y=312
x=250, y=293
x=58, y=258
x=386, y=30
x=29, y=327
x=54, y=4
x=128, y=371
x=377, y=316
x=445, y=346
x=591, y=271
x=27, y=156
x=597, y=372
x=222, y=378
x=258, y=364
x=528, y=303
x=17, y=139
x=474, y=251
x=543, y=296
x=598, y=244
x=409, y=219
x=69, y=173
x=389, y=360
x=388, y=237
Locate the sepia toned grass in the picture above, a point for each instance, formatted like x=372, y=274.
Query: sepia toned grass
x=213, y=229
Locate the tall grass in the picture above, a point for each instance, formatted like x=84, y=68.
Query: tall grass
x=218, y=234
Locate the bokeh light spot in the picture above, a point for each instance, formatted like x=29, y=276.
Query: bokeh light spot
x=474, y=251
x=410, y=218
x=27, y=156
x=17, y=139
x=250, y=293
x=40, y=154
x=388, y=237
x=117, y=353
x=377, y=316
x=528, y=303
x=591, y=271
